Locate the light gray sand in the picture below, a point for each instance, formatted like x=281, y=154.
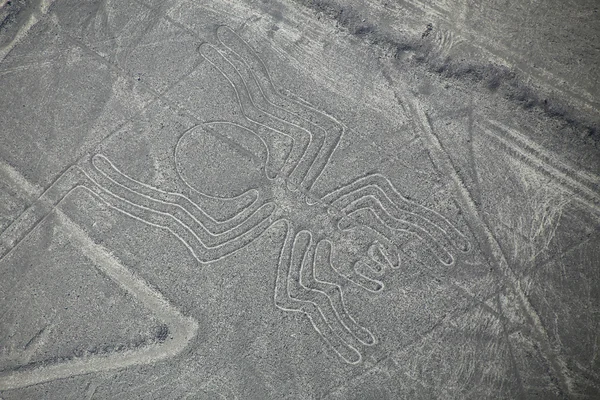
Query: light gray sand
x=299, y=199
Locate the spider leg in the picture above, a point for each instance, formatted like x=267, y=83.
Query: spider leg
x=291, y=296
x=384, y=255
x=326, y=131
x=180, y=206
x=334, y=131
x=364, y=272
x=372, y=204
x=301, y=139
x=400, y=207
x=205, y=247
x=333, y=299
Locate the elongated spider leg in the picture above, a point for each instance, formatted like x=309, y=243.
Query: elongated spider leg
x=334, y=129
x=287, y=120
x=301, y=138
x=297, y=106
x=303, y=258
x=320, y=256
x=120, y=201
x=372, y=204
x=224, y=211
x=173, y=218
x=178, y=205
x=279, y=144
x=290, y=260
x=383, y=190
x=111, y=179
x=383, y=249
x=325, y=129
x=421, y=224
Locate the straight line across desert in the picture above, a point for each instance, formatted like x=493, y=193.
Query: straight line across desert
x=299, y=199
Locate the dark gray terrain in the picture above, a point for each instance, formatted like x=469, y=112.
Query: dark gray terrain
x=299, y=199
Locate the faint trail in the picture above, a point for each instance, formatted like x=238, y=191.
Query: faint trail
x=513, y=360
x=487, y=240
x=219, y=386
x=18, y=180
x=473, y=161
x=34, y=18
x=584, y=185
x=389, y=362
x=182, y=329
x=22, y=356
x=90, y=391
x=152, y=20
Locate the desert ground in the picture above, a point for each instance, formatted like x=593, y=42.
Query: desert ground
x=299, y=199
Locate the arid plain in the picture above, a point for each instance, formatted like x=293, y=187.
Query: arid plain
x=299, y=199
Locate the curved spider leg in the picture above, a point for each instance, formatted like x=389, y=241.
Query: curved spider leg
x=363, y=273
x=291, y=258
x=301, y=139
x=400, y=203
x=320, y=255
x=223, y=211
x=318, y=120
x=434, y=231
x=383, y=249
x=280, y=145
x=335, y=130
x=317, y=135
x=303, y=259
x=364, y=269
x=181, y=206
x=119, y=201
x=372, y=204
x=104, y=177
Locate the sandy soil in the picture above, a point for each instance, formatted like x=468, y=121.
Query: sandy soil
x=299, y=199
